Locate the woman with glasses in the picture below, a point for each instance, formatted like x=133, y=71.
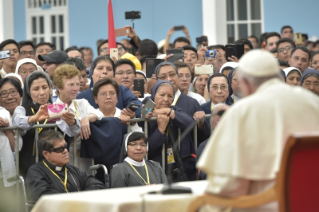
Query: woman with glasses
x=218, y=88
x=26, y=67
x=293, y=76
x=10, y=94
x=310, y=80
x=133, y=169
x=53, y=174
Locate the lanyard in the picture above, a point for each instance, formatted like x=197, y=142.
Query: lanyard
x=65, y=179
x=176, y=98
x=148, y=178
x=2, y=74
x=40, y=129
x=211, y=107
x=76, y=111
x=234, y=99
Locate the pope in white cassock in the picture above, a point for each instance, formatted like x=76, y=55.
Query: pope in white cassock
x=243, y=154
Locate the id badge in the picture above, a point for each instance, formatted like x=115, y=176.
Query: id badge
x=170, y=155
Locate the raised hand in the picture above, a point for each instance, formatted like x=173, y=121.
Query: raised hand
x=68, y=117
x=42, y=113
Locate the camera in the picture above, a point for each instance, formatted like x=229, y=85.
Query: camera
x=211, y=53
x=133, y=15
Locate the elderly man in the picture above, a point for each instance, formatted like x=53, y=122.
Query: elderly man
x=243, y=155
x=53, y=175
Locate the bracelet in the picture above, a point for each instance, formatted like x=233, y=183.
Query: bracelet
x=170, y=112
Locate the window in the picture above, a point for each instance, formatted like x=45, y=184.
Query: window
x=244, y=18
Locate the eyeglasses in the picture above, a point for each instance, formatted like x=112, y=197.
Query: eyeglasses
x=135, y=145
x=309, y=84
x=24, y=72
x=184, y=76
x=5, y=94
x=124, y=72
x=216, y=87
x=27, y=53
x=111, y=94
x=164, y=77
x=121, y=49
x=287, y=48
x=105, y=49
x=58, y=149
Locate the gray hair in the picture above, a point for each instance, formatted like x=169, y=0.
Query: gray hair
x=165, y=84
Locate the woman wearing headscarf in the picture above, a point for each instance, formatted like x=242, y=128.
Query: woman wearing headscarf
x=33, y=110
x=218, y=88
x=293, y=75
x=103, y=67
x=310, y=80
x=163, y=97
x=16, y=77
x=25, y=67
x=133, y=169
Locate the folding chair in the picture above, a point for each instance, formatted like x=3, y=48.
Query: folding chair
x=296, y=186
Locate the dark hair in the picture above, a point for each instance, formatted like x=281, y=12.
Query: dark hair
x=42, y=44
x=135, y=136
x=105, y=58
x=303, y=49
x=271, y=34
x=147, y=47
x=47, y=140
x=9, y=41
x=179, y=64
x=244, y=41
x=218, y=46
x=74, y=48
x=216, y=75
x=99, y=46
x=305, y=35
x=125, y=61
x=105, y=81
x=283, y=63
x=77, y=62
x=262, y=39
x=117, y=43
x=14, y=82
x=26, y=43
x=39, y=74
x=313, y=54
x=283, y=40
x=286, y=27
x=143, y=59
x=85, y=48
x=253, y=36
x=315, y=43
x=189, y=47
x=181, y=39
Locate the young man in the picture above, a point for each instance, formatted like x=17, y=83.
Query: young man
x=190, y=56
x=87, y=55
x=287, y=32
x=284, y=48
x=44, y=178
x=271, y=40
x=300, y=58
x=247, y=44
x=73, y=52
x=26, y=49
x=103, y=48
x=43, y=48
x=9, y=64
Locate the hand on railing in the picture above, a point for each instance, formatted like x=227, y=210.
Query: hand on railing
x=124, y=119
x=199, y=116
x=128, y=112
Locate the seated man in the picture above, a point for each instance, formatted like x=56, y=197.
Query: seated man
x=53, y=175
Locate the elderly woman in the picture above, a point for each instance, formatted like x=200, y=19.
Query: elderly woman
x=163, y=97
x=36, y=96
x=46, y=176
x=293, y=75
x=134, y=170
x=25, y=67
x=218, y=88
x=310, y=80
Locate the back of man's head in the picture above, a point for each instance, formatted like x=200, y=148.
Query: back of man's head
x=147, y=47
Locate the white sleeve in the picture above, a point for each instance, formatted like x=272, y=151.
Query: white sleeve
x=69, y=130
x=21, y=120
x=136, y=128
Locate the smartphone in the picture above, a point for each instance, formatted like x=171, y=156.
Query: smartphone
x=148, y=107
x=121, y=32
x=201, y=39
x=133, y=106
x=298, y=38
x=114, y=52
x=5, y=54
x=204, y=69
x=240, y=50
x=178, y=28
x=139, y=86
x=151, y=64
x=133, y=15
x=230, y=51
x=178, y=55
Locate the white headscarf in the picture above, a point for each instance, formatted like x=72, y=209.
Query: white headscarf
x=17, y=76
x=289, y=69
x=130, y=160
x=228, y=64
x=23, y=61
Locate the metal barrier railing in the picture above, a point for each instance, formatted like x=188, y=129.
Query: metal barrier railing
x=35, y=127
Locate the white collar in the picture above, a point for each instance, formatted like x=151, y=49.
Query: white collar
x=58, y=168
x=177, y=94
x=133, y=162
x=117, y=112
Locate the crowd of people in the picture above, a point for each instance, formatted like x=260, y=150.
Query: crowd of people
x=99, y=92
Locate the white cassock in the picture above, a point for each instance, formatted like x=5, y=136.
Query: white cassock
x=243, y=155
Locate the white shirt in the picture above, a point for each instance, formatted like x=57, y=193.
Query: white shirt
x=3, y=73
x=201, y=100
x=177, y=94
x=252, y=134
x=7, y=164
